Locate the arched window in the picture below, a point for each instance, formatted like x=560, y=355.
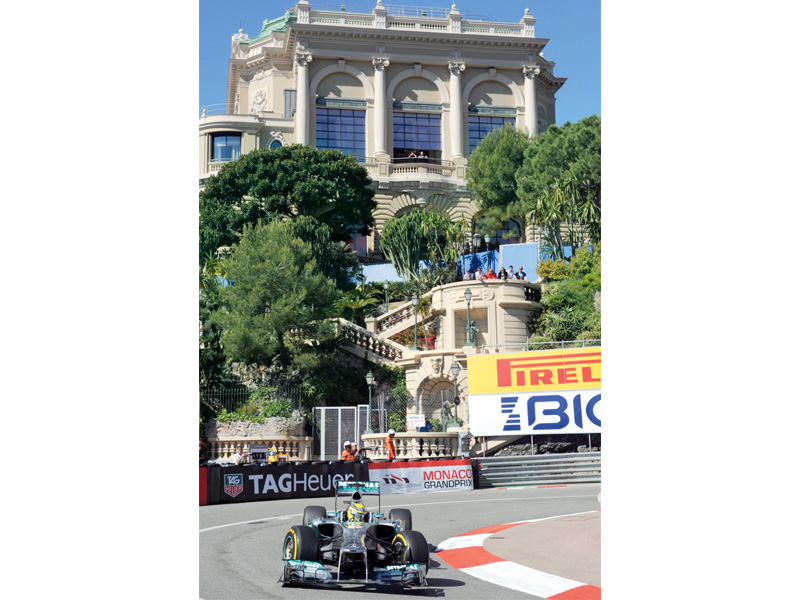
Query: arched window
x=275, y=145
x=512, y=227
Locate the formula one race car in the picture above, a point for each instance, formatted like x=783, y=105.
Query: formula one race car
x=365, y=546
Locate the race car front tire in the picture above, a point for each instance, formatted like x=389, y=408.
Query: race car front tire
x=403, y=515
x=313, y=512
x=300, y=543
x=411, y=547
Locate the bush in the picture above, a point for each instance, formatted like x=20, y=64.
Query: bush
x=553, y=270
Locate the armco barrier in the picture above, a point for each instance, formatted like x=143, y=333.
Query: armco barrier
x=251, y=483
x=537, y=469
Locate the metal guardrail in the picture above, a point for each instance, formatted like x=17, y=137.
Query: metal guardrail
x=528, y=346
x=538, y=469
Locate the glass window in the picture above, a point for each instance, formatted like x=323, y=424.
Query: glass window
x=275, y=145
x=226, y=146
x=480, y=126
x=343, y=130
x=415, y=132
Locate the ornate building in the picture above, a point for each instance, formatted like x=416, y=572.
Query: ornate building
x=410, y=94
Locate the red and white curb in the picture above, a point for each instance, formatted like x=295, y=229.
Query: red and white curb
x=466, y=553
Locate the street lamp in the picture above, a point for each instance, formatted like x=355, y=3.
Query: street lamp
x=470, y=335
x=415, y=302
x=370, y=379
x=454, y=369
x=386, y=294
x=487, y=239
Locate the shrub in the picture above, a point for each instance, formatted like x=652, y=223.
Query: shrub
x=553, y=270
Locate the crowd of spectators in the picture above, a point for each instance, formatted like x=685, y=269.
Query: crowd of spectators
x=510, y=274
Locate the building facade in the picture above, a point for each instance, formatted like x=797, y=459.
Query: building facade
x=409, y=91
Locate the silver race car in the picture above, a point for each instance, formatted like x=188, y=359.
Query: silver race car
x=363, y=546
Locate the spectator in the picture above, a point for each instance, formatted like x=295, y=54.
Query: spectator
x=351, y=451
x=468, y=275
x=388, y=443
x=478, y=273
x=491, y=274
x=510, y=272
x=202, y=454
x=502, y=274
x=412, y=154
x=272, y=454
x=422, y=155
x=521, y=274
x=239, y=456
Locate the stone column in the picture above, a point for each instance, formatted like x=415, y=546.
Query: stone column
x=301, y=115
x=380, y=65
x=530, y=72
x=456, y=111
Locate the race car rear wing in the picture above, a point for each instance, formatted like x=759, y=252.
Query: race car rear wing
x=363, y=488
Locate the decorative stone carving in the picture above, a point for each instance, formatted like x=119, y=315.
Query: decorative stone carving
x=456, y=67
x=259, y=102
x=236, y=104
x=380, y=63
x=436, y=365
x=530, y=71
x=487, y=294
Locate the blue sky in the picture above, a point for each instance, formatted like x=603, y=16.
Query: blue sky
x=573, y=27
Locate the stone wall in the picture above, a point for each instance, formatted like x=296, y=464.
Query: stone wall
x=274, y=426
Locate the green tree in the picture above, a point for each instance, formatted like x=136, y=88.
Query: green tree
x=278, y=301
x=289, y=181
x=493, y=166
x=559, y=182
x=422, y=235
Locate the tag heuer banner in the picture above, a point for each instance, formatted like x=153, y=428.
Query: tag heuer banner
x=422, y=476
x=530, y=393
x=247, y=483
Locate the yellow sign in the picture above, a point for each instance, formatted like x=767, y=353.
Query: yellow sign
x=539, y=371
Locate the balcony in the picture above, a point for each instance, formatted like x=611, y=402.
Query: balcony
x=408, y=18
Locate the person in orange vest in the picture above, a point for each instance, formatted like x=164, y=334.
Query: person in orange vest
x=350, y=451
x=388, y=443
x=272, y=454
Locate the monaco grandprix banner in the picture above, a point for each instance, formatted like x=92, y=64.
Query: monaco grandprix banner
x=530, y=393
x=422, y=476
x=249, y=483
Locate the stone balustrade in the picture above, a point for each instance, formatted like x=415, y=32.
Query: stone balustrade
x=412, y=445
x=297, y=447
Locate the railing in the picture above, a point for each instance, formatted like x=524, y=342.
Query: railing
x=297, y=447
x=213, y=109
x=369, y=341
x=528, y=346
x=231, y=399
x=409, y=18
x=412, y=445
x=396, y=10
x=543, y=469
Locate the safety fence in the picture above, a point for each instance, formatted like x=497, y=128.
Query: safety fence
x=540, y=469
x=251, y=402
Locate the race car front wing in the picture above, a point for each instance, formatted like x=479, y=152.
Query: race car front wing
x=304, y=571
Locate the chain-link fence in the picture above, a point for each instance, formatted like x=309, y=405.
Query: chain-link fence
x=389, y=410
x=440, y=408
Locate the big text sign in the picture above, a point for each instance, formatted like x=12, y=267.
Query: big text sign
x=529, y=393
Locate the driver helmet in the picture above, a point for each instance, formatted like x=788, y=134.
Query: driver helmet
x=357, y=511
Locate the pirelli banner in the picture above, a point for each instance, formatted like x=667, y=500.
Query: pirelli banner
x=249, y=483
x=530, y=393
x=422, y=476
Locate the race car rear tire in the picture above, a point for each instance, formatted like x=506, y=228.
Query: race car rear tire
x=412, y=547
x=300, y=543
x=403, y=515
x=313, y=512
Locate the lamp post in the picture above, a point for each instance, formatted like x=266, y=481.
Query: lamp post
x=370, y=378
x=415, y=303
x=470, y=338
x=454, y=369
x=386, y=294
